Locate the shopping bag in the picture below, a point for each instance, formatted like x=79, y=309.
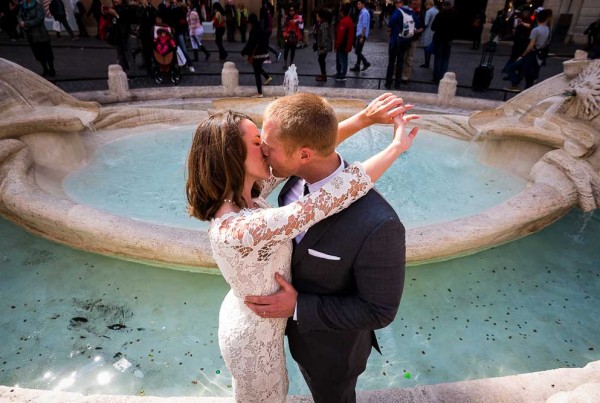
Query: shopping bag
x=56, y=26
x=180, y=57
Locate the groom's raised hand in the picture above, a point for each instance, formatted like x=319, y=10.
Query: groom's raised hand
x=279, y=305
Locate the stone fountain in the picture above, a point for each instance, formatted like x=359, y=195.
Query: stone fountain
x=548, y=135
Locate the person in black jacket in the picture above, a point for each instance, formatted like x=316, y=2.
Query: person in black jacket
x=444, y=27
x=58, y=12
x=257, y=51
x=146, y=17
x=122, y=18
x=31, y=20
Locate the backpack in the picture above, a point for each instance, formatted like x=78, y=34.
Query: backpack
x=408, y=26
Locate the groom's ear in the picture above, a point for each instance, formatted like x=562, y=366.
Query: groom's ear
x=306, y=154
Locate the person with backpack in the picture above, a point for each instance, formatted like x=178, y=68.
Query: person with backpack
x=402, y=29
x=528, y=64
x=444, y=27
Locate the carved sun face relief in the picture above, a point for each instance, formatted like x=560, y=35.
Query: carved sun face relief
x=586, y=89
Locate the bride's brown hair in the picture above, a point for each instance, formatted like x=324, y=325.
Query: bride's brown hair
x=216, y=165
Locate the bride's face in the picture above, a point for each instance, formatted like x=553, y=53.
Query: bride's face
x=256, y=163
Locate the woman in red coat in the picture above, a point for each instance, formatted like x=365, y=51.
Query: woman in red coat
x=344, y=38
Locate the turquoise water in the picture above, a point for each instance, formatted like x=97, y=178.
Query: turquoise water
x=439, y=179
x=76, y=321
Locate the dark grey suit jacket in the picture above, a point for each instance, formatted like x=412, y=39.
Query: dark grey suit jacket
x=341, y=302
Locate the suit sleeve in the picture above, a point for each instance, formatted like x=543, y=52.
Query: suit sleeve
x=379, y=274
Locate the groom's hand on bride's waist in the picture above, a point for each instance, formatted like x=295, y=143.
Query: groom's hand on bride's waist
x=278, y=305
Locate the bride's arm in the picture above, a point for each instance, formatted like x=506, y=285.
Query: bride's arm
x=268, y=185
x=381, y=110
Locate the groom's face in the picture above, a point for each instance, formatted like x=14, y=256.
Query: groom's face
x=283, y=163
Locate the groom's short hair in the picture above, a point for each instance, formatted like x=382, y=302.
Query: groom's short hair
x=304, y=120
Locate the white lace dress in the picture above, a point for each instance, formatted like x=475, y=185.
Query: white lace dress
x=249, y=248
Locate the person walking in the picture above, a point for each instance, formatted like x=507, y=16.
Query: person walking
x=362, y=33
x=528, y=64
x=79, y=14
x=291, y=36
x=242, y=21
x=323, y=42
x=31, y=20
x=344, y=38
x=427, y=38
x=477, y=28
x=146, y=17
x=444, y=28
x=219, y=26
x=96, y=12
x=398, y=44
x=196, y=32
x=267, y=11
x=230, y=20
x=257, y=51
x=407, y=64
x=59, y=13
x=122, y=16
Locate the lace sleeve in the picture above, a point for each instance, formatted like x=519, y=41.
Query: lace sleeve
x=259, y=228
x=267, y=186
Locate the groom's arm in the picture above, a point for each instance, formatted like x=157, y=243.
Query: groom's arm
x=379, y=276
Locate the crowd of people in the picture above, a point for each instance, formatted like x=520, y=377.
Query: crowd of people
x=131, y=28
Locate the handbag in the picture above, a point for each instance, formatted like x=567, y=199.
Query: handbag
x=292, y=40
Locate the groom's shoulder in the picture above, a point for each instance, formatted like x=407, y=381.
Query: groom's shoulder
x=372, y=208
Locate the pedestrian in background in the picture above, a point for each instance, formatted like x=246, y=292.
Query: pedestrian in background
x=219, y=26
x=96, y=11
x=196, y=31
x=59, y=13
x=397, y=45
x=291, y=36
x=323, y=42
x=344, y=38
x=415, y=8
x=362, y=33
x=477, y=28
x=79, y=14
x=230, y=20
x=444, y=29
x=267, y=11
x=31, y=20
x=427, y=38
x=257, y=51
x=242, y=21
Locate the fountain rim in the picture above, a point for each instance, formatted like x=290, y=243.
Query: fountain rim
x=81, y=226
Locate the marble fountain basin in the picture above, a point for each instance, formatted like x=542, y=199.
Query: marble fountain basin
x=45, y=134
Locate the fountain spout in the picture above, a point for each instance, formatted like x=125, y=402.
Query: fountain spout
x=290, y=81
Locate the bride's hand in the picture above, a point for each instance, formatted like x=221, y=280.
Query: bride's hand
x=402, y=139
x=385, y=108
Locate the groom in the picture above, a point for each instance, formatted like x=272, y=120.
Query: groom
x=347, y=270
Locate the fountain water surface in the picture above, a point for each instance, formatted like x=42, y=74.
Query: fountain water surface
x=548, y=136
